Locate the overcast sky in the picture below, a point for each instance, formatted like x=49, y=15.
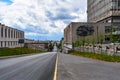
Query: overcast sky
x=42, y=19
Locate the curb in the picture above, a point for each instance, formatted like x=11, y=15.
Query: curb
x=6, y=57
x=14, y=56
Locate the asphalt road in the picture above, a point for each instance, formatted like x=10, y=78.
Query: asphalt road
x=34, y=67
x=79, y=68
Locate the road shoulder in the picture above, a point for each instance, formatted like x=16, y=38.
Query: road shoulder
x=79, y=68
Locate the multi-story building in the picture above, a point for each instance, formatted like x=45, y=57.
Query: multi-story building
x=78, y=30
x=39, y=45
x=105, y=11
x=103, y=16
x=9, y=37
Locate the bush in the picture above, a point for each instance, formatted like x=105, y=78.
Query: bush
x=17, y=51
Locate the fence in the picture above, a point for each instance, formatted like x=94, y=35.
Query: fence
x=99, y=50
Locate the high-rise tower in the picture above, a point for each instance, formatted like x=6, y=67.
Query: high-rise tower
x=105, y=11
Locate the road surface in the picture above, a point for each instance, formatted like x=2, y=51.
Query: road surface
x=78, y=68
x=34, y=67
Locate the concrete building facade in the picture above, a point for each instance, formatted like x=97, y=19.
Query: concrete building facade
x=9, y=37
x=105, y=11
x=103, y=16
x=96, y=29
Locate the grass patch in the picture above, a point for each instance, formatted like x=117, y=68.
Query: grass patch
x=102, y=57
x=17, y=51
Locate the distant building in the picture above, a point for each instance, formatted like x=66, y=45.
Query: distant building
x=9, y=37
x=38, y=45
x=29, y=41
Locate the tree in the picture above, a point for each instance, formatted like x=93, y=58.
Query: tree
x=50, y=47
x=113, y=38
x=101, y=39
x=73, y=45
x=93, y=41
x=59, y=45
x=77, y=44
x=81, y=43
x=87, y=40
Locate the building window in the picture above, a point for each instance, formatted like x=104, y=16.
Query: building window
x=5, y=33
x=8, y=44
x=18, y=35
x=119, y=3
x=11, y=33
x=109, y=21
x=8, y=33
x=114, y=4
x=107, y=29
x=2, y=32
x=1, y=44
x=14, y=34
x=11, y=43
x=5, y=43
x=116, y=20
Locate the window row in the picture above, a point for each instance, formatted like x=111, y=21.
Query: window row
x=116, y=4
x=109, y=29
x=11, y=33
x=8, y=43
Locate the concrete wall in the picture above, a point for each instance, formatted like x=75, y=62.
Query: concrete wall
x=70, y=32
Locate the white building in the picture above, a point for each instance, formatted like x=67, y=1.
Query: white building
x=9, y=37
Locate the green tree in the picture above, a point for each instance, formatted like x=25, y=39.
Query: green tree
x=77, y=44
x=81, y=43
x=59, y=45
x=93, y=41
x=113, y=38
x=50, y=47
x=73, y=46
x=101, y=39
x=87, y=40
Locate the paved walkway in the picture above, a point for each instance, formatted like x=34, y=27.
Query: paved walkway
x=79, y=68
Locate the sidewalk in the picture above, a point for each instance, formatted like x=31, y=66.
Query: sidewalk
x=78, y=68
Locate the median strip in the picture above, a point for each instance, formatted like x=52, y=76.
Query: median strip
x=56, y=66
